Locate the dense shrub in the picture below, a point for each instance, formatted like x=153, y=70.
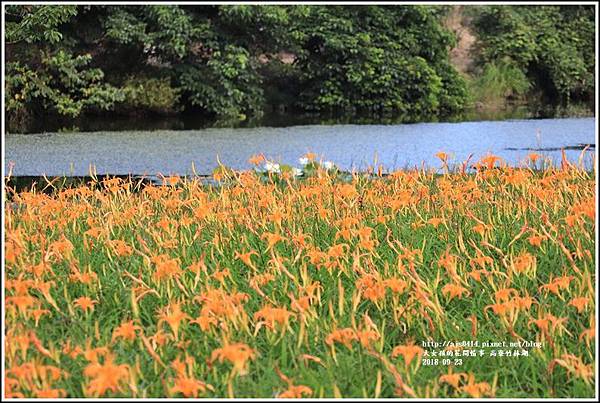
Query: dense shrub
x=235, y=62
x=225, y=61
x=62, y=84
x=499, y=81
x=150, y=94
x=552, y=45
x=376, y=59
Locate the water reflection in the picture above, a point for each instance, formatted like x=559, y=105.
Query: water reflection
x=191, y=121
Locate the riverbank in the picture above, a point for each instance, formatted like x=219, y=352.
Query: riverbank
x=189, y=121
x=351, y=147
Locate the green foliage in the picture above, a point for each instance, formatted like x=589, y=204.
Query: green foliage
x=258, y=29
x=552, y=45
x=499, y=81
x=150, y=94
x=210, y=72
x=62, y=84
x=227, y=85
x=226, y=61
x=32, y=23
x=378, y=59
x=231, y=62
x=49, y=79
x=166, y=32
x=454, y=93
x=124, y=28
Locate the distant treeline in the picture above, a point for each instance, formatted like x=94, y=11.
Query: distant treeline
x=236, y=62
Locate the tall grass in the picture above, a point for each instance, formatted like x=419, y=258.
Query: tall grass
x=498, y=82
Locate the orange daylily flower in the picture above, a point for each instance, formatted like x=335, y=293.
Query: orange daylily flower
x=490, y=160
x=316, y=256
x=476, y=389
x=557, y=284
x=408, y=353
x=106, y=376
x=344, y=233
x=257, y=159
x=580, y=303
x=396, y=285
x=533, y=157
x=310, y=156
x=435, y=221
x=221, y=275
x=126, y=331
x=574, y=366
x=61, y=249
x=372, y=288
x=85, y=303
x=84, y=278
x=343, y=336
x=454, y=291
x=504, y=294
x=174, y=316
x=166, y=268
x=452, y=379
x=480, y=228
x=22, y=302
x=271, y=315
x=245, y=257
x=536, y=240
x=524, y=302
x=499, y=309
x=524, y=262
x=185, y=383
x=295, y=392
x=272, y=240
x=375, y=292
x=366, y=337
x=337, y=251
x=588, y=335
x=37, y=314
x=543, y=323
x=481, y=261
x=238, y=354
x=119, y=247
x=347, y=191
x=188, y=387
x=442, y=156
x=205, y=322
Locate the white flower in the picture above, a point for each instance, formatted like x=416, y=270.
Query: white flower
x=303, y=161
x=328, y=165
x=272, y=167
x=297, y=171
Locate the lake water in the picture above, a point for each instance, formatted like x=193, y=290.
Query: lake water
x=348, y=146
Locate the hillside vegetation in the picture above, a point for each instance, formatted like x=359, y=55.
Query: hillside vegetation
x=237, y=62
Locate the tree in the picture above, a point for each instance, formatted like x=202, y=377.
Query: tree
x=378, y=59
x=228, y=61
x=552, y=45
x=45, y=77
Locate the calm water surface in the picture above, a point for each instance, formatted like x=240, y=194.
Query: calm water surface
x=348, y=146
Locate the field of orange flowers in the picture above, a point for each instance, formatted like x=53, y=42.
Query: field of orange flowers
x=413, y=284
